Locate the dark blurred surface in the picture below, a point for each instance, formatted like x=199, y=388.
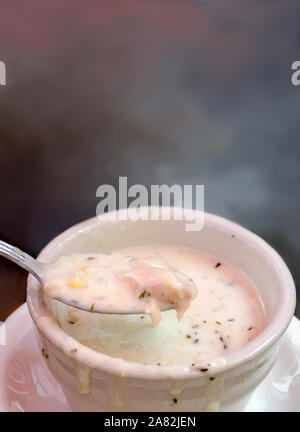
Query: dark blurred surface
x=160, y=91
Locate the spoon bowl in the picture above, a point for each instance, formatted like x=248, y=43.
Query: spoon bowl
x=38, y=270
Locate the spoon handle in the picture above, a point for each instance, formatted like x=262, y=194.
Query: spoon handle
x=22, y=259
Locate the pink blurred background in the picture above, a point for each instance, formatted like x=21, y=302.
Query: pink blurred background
x=161, y=91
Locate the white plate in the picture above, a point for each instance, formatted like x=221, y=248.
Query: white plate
x=27, y=385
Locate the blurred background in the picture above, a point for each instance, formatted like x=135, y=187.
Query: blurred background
x=161, y=91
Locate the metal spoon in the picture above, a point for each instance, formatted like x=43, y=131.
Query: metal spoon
x=38, y=270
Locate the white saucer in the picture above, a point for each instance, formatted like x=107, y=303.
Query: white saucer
x=27, y=385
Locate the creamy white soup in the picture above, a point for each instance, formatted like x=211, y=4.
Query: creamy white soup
x=120, y=283
x=219, y=316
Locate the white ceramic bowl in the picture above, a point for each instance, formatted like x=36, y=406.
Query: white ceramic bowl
x=126, y=386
